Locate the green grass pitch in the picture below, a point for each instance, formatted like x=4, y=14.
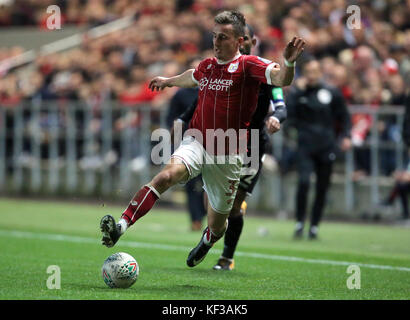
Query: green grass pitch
x=269, y=265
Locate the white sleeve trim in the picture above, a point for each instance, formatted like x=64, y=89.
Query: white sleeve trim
x=193, y=78
x=267, y=73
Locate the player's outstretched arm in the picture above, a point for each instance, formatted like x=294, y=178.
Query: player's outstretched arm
x=283, y=76
x=183, y=80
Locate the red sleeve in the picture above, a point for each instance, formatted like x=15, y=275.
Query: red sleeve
x=260, y=68
x=200, y=69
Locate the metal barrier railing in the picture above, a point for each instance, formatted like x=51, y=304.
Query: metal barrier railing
x=376, y=145
x=77, y=148
x=60, y=146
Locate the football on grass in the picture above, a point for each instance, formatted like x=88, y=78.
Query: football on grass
x=120, y=270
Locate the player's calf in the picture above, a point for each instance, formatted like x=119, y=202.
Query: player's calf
x=140, y=204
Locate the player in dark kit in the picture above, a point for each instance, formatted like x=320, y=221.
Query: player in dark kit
x=270, y=111
x=228, y=94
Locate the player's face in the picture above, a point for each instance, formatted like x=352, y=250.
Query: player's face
x=312, y=73
x=248, y=43
x=226, y=44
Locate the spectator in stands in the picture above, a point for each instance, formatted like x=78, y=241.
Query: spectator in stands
x=147, y=43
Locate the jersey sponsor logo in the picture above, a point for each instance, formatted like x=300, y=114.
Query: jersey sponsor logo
x=215, y=84
x=233, y=67
x=324, y=96
x=264, y=60
x=203, y=83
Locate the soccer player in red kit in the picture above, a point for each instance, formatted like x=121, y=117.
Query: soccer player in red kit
x=228, y=92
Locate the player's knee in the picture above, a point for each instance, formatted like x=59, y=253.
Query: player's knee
x=217, y=222
x=164, y=179
x=167, y=177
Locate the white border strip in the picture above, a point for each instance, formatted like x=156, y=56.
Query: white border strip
x=132, y=244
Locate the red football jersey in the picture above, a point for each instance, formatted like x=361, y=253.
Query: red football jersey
x=228, y=92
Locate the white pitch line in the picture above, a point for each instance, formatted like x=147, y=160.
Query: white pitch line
x=132, y=244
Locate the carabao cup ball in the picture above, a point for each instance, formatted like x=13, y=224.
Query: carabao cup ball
x=120, y=270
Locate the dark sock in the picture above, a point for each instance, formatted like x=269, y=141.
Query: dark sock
x=232, y=235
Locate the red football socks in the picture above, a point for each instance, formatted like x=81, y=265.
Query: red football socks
x=142, y=202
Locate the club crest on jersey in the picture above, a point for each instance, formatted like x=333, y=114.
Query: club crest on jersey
x=324, y=96
x=233, y=67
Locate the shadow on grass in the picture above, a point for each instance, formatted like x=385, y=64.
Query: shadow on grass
x=188, y=284
x=141, y=290
x=182, y=290
x=208, y=272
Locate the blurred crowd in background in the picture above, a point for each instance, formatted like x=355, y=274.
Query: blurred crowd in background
x=370, y=65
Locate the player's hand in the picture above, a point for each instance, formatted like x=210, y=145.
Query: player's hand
x=273, y=125
x=294, y=49
x=346, y=144
x=159, y=83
